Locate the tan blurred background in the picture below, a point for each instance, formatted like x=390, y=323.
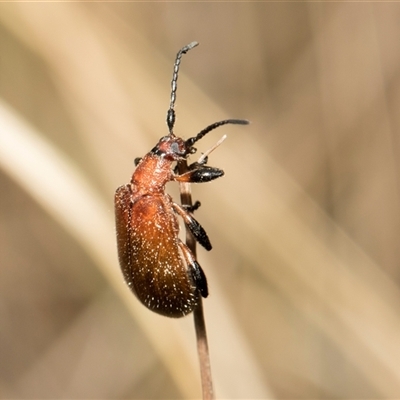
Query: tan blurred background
x=304, y=275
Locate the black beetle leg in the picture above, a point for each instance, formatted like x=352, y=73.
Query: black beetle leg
x=201, y=174
x=195, y=228
x=192, y=208
x=196, y=271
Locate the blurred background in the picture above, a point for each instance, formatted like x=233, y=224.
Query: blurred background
x=304, y=274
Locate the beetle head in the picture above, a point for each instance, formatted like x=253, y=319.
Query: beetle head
x=172, y=148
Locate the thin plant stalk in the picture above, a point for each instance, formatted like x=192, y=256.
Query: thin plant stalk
x=198, y=313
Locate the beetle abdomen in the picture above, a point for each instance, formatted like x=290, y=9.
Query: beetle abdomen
x=149, y=254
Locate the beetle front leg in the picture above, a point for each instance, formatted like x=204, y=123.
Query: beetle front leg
x=199, y=175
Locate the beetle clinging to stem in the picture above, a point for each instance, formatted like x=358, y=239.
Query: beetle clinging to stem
x=159, y=268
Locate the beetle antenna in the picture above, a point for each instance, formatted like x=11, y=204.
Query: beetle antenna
x=191, y=141
x=171, y=111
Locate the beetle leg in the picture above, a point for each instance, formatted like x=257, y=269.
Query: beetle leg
x=192, y=208
x=195, y=228
x=196, y=271
x=201, y=174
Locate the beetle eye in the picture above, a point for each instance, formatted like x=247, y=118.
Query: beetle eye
x=175, y=148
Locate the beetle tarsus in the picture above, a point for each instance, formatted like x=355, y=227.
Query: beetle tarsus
x=193, y=207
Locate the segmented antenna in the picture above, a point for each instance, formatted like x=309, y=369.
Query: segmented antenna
x=191, y=141
x=171, y=111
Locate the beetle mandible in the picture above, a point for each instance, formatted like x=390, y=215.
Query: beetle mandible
x=158, y=267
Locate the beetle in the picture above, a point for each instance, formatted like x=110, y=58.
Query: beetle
x=158, y=267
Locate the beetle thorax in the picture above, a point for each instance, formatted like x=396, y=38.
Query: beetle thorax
x=155, y=168
x=152, y=174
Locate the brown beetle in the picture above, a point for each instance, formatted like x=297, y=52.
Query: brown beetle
x=158, y=267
